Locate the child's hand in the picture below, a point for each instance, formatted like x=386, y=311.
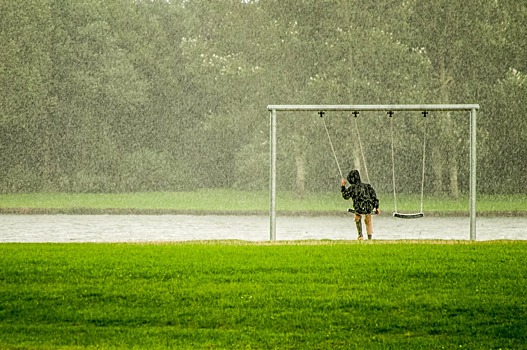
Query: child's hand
x=378, y=211
x=343, y=182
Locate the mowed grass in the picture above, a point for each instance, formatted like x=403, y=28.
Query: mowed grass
x=224, y=200
x=292, y=295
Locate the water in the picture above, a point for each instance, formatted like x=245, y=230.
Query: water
x=150, y=228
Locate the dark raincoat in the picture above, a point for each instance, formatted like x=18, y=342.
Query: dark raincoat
x=363, y=195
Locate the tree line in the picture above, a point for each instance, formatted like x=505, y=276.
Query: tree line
x=155, y=95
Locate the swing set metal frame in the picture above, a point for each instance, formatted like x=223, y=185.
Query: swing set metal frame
x=274, y=109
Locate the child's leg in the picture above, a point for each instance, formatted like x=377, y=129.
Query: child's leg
x=369, y=225
x=358, y=223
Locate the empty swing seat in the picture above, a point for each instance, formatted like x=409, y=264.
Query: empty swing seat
x=408, y=216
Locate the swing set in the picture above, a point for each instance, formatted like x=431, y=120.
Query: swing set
x=389, y=109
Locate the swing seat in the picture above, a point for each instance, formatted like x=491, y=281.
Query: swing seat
x=408, y=216
x=351, y=210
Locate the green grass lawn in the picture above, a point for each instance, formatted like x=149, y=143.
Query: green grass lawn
x=229, y=295
x=238, y=201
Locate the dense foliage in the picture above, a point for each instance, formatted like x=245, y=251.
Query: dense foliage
x=123, y=96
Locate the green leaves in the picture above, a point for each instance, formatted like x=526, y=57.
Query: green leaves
x=88, y=85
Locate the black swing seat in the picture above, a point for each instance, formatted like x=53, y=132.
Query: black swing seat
x=408, y=216
x=351, y=210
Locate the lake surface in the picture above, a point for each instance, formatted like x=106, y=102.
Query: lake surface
x=150, y=228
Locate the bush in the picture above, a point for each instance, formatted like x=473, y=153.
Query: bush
x=85, y=181
x=20, y=178
x=147, y=170
x=252, y=167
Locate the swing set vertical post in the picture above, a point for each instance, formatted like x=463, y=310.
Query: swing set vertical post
x=472, y=200
x=272, y=182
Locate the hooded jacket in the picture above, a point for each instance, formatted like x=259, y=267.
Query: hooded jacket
x=363, y=195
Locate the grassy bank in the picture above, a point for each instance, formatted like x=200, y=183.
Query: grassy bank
x=229, y=295
x=242, y=202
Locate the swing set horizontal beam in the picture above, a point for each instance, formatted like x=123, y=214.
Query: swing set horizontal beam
x=427, y=107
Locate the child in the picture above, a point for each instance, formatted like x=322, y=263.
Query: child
x=364, y=201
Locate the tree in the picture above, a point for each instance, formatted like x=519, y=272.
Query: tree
x=464, y=42
x=25, y=101
x=340, y=53
x=505, y=137
x=100, y=94
x=222, y=55
x=93, y=90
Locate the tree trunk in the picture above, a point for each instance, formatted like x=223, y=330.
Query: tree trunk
x=447, y=137
x=451, y=156
x=437, y=170
x=454, y=185
x=300, y=161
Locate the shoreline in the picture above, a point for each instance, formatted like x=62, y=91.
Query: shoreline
x=143, y=211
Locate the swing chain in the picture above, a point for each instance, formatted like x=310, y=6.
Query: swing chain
x=321, y=113
x=396, y=213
